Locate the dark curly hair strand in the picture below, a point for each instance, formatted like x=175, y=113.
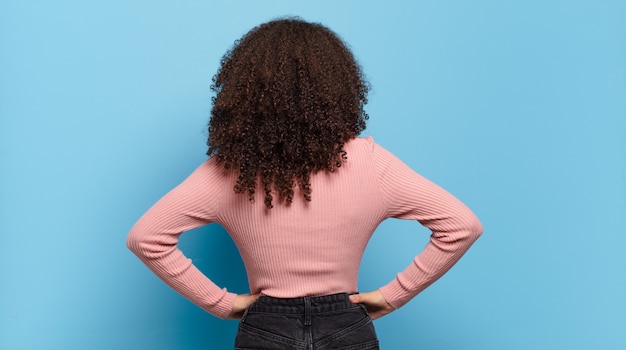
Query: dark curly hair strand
x=289, y=94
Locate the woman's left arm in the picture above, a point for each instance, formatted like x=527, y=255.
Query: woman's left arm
x=155, y=236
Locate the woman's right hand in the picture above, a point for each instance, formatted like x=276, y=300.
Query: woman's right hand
x=374, y=302
x=242, y=301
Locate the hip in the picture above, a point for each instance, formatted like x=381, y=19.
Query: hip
x=317, y=322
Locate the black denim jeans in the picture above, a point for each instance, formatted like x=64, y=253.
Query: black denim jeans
x=324, y=322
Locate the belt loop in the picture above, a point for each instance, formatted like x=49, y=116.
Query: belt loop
x=307, y=311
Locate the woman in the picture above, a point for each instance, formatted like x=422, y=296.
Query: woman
x=300, y=194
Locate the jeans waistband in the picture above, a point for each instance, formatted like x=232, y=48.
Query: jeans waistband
x=312, y=304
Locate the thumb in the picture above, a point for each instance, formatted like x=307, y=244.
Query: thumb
x=251, y=298
x=355, y=298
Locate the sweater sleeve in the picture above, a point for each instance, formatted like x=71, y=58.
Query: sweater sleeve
x=454, y=227
x=154, y=239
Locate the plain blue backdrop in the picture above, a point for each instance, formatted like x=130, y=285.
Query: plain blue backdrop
x=516, y=107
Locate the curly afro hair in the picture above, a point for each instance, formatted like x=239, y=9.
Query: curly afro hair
x=289, y=94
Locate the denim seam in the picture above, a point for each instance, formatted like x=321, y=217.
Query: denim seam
x=271, y=336
x=370, y=345
x=339, y=311
x=365, y=321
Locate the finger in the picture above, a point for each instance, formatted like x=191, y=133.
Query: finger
x=356, y=298
x=252, y=298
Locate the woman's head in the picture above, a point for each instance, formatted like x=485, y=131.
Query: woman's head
x=289, y=94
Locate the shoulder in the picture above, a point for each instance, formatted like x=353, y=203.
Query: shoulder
x=208, y=179
x=211, y=169
x=361, y=141
x=360, y=144
x=367, y=146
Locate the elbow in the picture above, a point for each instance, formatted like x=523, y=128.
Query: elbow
x=147, y=244
x=474, y=228
x=139, y=241
x=133, y=242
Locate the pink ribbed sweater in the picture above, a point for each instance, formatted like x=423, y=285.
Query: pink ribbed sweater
x=307, y=248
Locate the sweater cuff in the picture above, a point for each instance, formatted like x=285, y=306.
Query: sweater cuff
x=395, y=295
x=223, y=308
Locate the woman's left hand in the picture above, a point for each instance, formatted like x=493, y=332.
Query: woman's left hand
x=242, y=301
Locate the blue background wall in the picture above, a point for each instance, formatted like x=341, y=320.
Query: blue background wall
x=518, y=108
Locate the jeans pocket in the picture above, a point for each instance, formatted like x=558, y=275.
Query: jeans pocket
x=349, y=329
x=370, y=345
x=362, y=306
x=245, y=314
x=269, y=331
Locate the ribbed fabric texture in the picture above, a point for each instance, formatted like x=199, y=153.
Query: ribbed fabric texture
x=307, y=248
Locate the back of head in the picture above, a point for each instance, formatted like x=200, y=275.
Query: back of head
x=289, y=94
